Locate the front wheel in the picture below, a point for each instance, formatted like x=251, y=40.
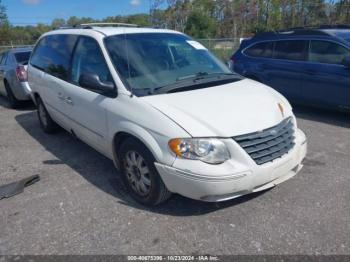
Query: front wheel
x=47, y=124
x=140, y=175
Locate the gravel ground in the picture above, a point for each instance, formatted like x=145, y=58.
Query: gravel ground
x=79, y=206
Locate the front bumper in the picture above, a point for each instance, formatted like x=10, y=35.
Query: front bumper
x=232, y=179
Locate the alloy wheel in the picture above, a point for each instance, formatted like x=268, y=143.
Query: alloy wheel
x=137, y=173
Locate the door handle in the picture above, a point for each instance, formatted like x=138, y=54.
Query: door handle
x=69, y=101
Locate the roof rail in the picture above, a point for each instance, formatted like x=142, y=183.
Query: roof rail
x=338, y=26
x=292, y=31
x=64, y=27
x=90, y=25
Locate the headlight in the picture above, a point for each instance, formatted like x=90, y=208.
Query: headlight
x=209, y=150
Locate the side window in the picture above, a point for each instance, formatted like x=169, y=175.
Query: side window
x=88, y=59
x=264, y=49
x=290, y=50
x=4, y=61
x=38, y=54
x=10, y=59
x=327, y=52
x=3, y=58
x=53, y=54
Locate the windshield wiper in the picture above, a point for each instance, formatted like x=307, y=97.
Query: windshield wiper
x=202, y=75
x=197, y=75
x=195, y=79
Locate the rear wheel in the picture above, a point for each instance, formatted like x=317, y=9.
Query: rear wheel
x=47, y=124
x=140, y=175
x=13, y=101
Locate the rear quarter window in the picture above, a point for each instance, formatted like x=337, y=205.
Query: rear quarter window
x=263, y=49
x=53, y=53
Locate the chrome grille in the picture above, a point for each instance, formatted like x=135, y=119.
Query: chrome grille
x=269, y=144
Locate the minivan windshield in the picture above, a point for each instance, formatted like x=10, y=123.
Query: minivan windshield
x=147, y=62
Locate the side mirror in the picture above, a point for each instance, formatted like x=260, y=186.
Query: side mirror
x=92, y=82
x=346, y=61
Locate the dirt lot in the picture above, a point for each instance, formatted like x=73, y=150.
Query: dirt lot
x=79, y=207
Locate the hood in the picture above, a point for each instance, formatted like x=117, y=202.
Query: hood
x=227, y=110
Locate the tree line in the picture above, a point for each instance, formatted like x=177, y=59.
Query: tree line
x=204, y=18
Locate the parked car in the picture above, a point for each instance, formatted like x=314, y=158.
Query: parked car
x=13, y=75
x=171, y=116
x=308, y=66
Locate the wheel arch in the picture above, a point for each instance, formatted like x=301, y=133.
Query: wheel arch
x=36, y=96
x=9, y=78
x=8, y=83
x=130, y=130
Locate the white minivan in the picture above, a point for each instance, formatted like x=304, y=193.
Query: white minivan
x=172, y=117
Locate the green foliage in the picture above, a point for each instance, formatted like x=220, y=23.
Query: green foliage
x=3, y=15
x=200, y=25
x=73, y=21
x=57, y=23
x=4, y=25
x=139, y=19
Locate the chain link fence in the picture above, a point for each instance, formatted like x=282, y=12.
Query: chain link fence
x=7, y=47
x=223, y=48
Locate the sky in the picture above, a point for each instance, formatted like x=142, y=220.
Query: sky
x=27, y=12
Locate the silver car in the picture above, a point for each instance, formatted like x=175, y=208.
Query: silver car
x=13, y=75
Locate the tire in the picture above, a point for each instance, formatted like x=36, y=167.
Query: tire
x=140, y=175
x=13, y=101
x=47, y=124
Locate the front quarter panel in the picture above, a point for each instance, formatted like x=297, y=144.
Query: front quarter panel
x=131, y=115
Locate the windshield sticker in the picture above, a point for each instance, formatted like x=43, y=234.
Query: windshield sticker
x=196, y=45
